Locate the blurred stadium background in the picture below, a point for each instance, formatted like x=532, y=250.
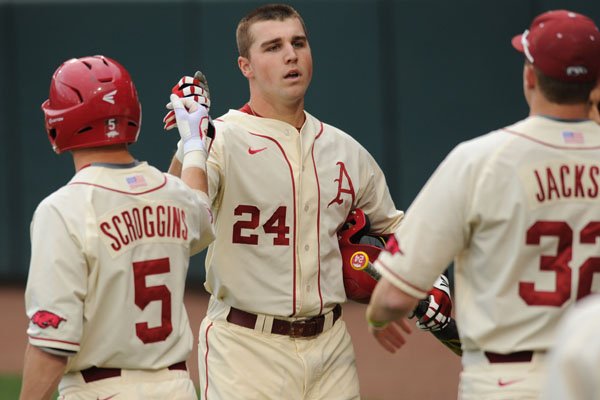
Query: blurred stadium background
x=407, y=78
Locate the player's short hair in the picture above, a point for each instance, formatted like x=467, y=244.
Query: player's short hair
x=561, y=92
x=268, y=12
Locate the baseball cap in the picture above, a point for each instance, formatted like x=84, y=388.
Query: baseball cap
x=563, y=45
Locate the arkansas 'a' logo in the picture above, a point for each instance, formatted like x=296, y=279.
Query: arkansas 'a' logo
x=44, y=319
x=344, y=186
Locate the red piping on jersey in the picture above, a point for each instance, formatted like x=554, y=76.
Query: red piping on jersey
x=318, y=220
x=294, y=192
x=122, y=191
x=248, y=110
x=401, y=279
x=54, y=340
x=206, y=362
x=554, y=146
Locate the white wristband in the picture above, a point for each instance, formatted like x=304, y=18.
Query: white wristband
x=179, y=151
x=195, y=159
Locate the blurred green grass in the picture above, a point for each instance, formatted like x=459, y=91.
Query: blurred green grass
x=10, y=385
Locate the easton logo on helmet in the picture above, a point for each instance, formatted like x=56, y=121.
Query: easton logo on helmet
x=44, y=319
x=110, y=97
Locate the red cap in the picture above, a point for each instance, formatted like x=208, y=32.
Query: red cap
x=563, y=45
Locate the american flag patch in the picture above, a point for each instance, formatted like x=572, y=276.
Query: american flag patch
x=572, y=137
x=136, y=181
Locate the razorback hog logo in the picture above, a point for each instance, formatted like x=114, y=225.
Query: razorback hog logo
x=44, y=319
x=392, y=245
x=344, y=185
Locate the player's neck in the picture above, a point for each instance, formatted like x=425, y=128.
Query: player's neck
x=292, y=113
x=539, y=105
x=109, y=154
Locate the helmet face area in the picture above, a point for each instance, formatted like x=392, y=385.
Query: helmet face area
x=92, y=103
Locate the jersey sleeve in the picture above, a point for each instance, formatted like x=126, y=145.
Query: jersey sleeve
x=204, y=219
x=374, y=198
x=434, y=230
x=56, y=285
x=214, y=167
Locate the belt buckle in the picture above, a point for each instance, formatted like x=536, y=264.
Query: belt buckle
x=303, y=328
x=297, y=329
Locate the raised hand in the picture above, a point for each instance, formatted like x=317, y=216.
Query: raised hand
x=193, y=123
x=194, y=88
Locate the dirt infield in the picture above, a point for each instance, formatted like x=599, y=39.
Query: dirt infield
x=423, y=369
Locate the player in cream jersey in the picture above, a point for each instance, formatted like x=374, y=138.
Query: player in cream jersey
x=527, y=195
x=518, y=211
x=110, y=249
x=281, y=183
x=120, y=241
x=321, y=174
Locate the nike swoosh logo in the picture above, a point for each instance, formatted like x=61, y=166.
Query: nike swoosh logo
x=107, y=398
x=502, y=383
x=254, y=151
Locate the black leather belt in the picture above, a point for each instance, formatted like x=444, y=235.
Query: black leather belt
x=519, y=356
x=93, y=374
x=300, y=328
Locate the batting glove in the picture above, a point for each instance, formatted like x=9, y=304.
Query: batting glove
x=195, y=88
x=194, y=125
x=437, y=316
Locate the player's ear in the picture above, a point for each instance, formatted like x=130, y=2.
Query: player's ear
x=245, y=67
x=529, y=76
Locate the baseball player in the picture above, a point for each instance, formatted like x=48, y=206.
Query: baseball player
x=518, y=211
x=282, y=183
x=110, y=250
x=574, y=360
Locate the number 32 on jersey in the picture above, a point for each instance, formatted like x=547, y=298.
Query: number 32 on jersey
x=559, y=263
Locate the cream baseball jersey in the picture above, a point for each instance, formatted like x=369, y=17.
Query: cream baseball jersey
x=109, y=257
x=519, y=210
x=279, y=196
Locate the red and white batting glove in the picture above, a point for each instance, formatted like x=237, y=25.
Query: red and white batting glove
x=194, y=125
x=439, y=308
x=195, y=88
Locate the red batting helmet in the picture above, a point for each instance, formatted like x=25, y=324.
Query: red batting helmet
x=92, y=103
x=358, y=248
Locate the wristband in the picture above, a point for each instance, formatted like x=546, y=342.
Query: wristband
x=377, y=325
x=194, y=159
x=179, y=151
